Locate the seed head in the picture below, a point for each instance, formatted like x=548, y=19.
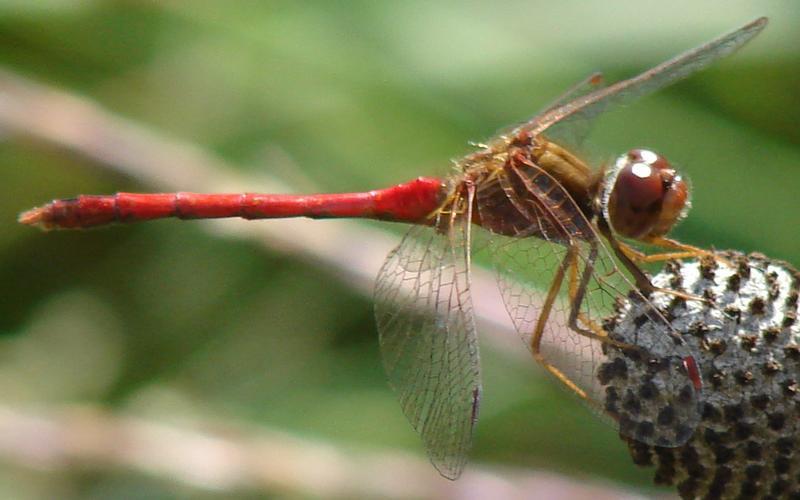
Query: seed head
x=745, y=341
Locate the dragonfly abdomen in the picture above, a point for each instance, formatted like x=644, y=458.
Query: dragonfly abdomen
x=411, y=202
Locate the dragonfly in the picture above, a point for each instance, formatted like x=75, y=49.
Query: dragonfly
x=564, y=238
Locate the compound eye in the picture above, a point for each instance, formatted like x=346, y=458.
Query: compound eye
x=647, y=197
x=639, y=182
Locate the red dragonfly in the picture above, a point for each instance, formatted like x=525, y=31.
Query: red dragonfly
x=550, y=222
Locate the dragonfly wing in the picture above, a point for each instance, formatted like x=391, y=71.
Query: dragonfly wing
x=580, y=112
x=580, y=128
x=527, y=261
x=428, y=341
x=591, y=83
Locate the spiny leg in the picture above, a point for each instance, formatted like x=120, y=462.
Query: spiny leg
x=681, y=251
x=577, y=294
x=691, y=252
x=643, y=283
x=541, y=322
x=641, y=257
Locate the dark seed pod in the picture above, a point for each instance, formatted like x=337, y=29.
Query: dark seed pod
x=747, y=441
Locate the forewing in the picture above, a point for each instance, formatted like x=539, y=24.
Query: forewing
x=427, y=338
x=561, y=123
x=589, y=84
x=527, y=264
x=579, y=129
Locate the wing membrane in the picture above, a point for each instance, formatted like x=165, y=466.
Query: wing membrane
x=581, y=111
x=427, y=337
x=527, y=263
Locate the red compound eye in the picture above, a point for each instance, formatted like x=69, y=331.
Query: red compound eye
x=648, y=196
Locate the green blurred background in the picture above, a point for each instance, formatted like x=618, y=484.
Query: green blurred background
x=163, y=319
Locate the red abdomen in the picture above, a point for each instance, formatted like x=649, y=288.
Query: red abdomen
x=410, y=202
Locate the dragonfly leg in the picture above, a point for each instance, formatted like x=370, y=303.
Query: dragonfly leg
x=629, y=256
x=538, y=332
x=642, y=281
x=577, y=293
x=678, y=251
x=687, y=252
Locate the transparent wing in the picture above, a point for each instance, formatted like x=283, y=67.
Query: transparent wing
x=562, y=122
x=551, y=234
x=575, y=135
x=427, y=337
x=591, y=83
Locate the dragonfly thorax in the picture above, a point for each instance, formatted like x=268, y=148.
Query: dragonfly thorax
x=644, y=196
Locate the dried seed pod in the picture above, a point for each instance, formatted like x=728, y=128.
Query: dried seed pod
x=745, y=341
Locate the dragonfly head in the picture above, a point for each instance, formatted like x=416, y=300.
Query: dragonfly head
x=644, y=196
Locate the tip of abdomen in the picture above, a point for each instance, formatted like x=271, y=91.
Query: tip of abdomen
x=71, y=213
x=37, y=217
